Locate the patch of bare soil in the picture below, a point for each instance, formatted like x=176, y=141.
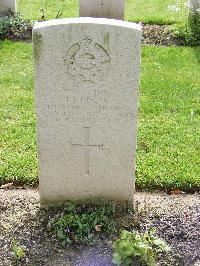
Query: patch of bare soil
x=160, y=35
x=176, y=219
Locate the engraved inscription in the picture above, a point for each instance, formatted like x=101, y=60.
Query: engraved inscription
x=87, y=61
x=88, y=109
x=87, y=147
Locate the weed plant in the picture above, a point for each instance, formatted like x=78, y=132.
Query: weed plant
x=14, y=26
x=133, y=248
x=84, y=224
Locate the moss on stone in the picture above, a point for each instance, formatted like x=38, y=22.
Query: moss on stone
x=37, y=42
x=107, y=40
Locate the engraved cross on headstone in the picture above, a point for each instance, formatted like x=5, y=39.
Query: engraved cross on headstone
x=87, y=147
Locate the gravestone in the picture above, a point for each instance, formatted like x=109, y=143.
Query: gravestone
x=86, y=87
x=102, y=8
x=194, y=6
x=8, y=4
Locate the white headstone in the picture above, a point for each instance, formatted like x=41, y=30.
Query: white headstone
x=194, y=5
x=102, y=8
x=86, y=84
x=8, y=4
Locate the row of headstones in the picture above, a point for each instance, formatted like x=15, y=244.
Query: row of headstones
x=115, y=8
x=98, y=8
x=88, y=8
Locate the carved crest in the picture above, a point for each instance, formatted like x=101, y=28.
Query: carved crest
x=87, y=61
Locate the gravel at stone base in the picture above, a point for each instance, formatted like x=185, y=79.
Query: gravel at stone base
x=160, y=35
x=176, y=218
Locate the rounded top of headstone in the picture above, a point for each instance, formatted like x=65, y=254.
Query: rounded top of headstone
x=87, y=20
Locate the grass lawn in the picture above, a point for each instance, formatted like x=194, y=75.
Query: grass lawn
x=169, y=122
x=17, y=115
x=155, y=11
x=149, y=11
x=168, y=141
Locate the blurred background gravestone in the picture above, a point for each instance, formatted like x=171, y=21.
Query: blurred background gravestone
x=194, y=6
x=8, y=4
x=102, y=9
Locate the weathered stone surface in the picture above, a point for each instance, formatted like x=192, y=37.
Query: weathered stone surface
x=8, y=4
x=102, y=8
x=86, y=85
x=194, y=5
